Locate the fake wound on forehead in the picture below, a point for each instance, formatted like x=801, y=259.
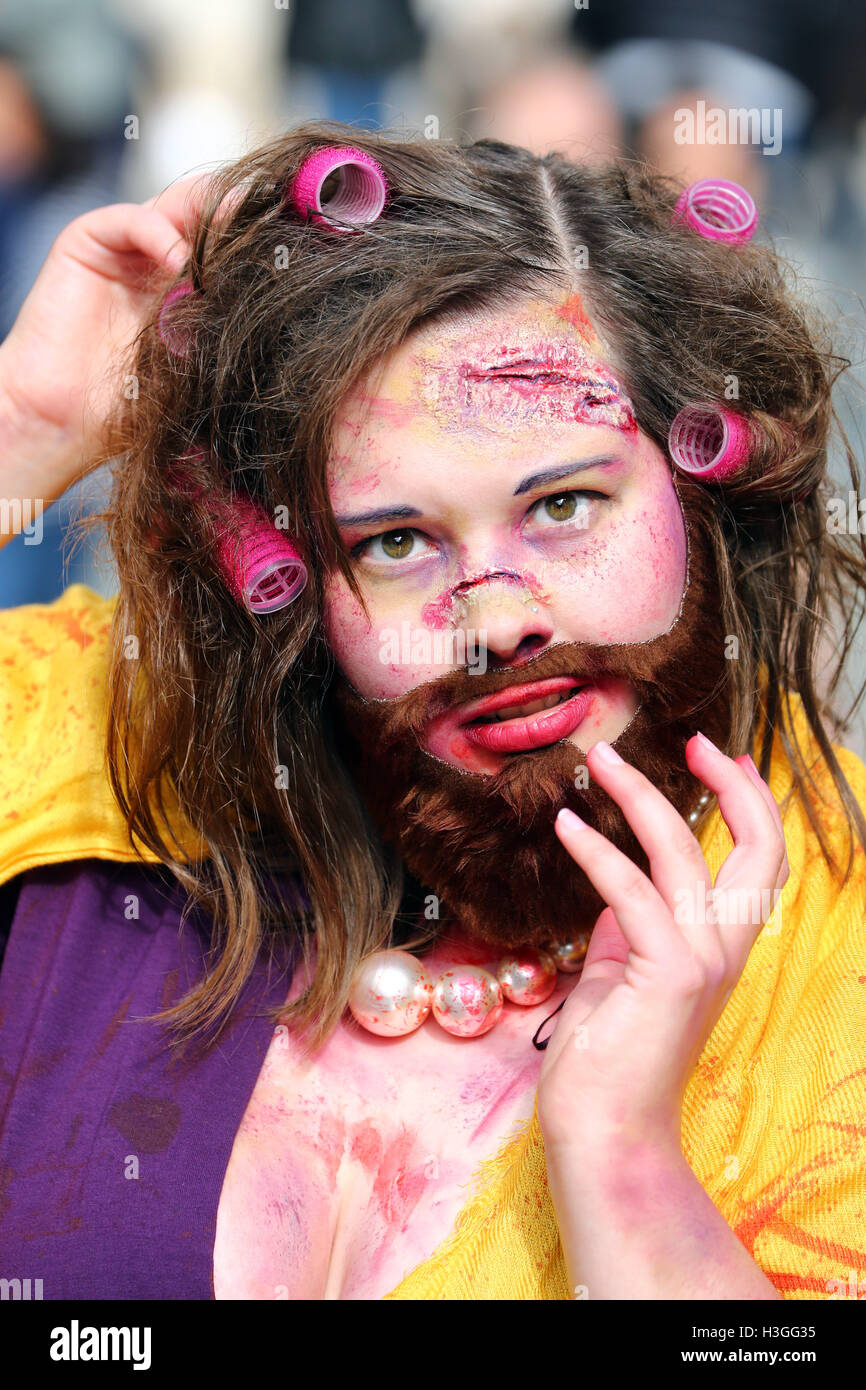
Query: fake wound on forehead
x=548, y=382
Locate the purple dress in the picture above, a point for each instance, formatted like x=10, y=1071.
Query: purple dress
x=112, y=1154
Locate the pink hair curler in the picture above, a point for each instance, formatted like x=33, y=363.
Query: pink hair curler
x=719, y=210
x=175, y=338
x=708, y=442
x=359, y=192
x=259, y=564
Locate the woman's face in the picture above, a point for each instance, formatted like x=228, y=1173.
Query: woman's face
x=498, y=498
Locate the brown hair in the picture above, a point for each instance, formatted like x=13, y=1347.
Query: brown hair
x=287, y=317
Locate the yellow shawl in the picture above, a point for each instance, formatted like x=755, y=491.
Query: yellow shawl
x=774, y=1120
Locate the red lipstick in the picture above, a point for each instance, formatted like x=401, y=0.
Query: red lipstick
x=462, y=733
x=527, y=731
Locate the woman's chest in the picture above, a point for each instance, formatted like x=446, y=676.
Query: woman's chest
x=349, y=1171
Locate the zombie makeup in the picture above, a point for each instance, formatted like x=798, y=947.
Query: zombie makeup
x=525, y=508
x=539, y=380
x=507, y=491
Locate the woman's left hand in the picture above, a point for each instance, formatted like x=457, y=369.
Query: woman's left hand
x=664, y=956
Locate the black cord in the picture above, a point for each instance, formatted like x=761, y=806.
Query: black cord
x=542, y=1045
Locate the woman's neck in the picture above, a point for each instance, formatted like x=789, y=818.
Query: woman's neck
x=456, y=945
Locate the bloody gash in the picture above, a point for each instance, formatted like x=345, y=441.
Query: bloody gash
x=484, y=843
x=554, y=381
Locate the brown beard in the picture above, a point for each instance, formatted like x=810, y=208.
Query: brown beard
x=484, y=844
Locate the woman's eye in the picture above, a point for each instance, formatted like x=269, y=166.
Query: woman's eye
x=390, y=545
x=565, y=506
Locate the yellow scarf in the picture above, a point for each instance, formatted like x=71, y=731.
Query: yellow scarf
x=774, y=1120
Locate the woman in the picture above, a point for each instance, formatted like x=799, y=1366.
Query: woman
x=454, y=416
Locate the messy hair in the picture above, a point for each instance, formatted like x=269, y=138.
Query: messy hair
x=286, y=318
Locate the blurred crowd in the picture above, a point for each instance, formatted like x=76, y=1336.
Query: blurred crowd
x=102, y=100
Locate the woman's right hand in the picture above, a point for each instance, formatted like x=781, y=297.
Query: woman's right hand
x=60, y=364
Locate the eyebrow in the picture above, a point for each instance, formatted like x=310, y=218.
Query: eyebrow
x=564, y=470
x=403, y=512
x=399, y=513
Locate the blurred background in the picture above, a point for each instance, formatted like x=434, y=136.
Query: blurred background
x=102, y=100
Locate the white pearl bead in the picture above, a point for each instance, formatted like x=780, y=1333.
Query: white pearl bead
x=391, y=993
x=527, y=977
x=467, y=1001
x=568, y=955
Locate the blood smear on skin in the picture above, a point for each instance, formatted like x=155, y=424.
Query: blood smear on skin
x=575, y=314
x=589, y=396
x=562, y=383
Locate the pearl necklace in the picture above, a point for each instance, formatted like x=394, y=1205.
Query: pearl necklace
x=392, y=992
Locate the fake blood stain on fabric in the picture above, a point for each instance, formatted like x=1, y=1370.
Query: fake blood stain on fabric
x=148, y=1123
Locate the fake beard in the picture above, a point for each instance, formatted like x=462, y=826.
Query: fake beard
x=485, y=843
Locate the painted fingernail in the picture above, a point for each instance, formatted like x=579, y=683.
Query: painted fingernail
x=606, y=753
x=703, y=738
x=570, y=819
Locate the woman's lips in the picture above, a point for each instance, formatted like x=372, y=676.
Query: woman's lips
x=454, y=730
x=524, y=732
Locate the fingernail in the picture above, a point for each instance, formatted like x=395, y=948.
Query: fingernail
x=606, y=753
x=570, y=819
x=703, y=738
